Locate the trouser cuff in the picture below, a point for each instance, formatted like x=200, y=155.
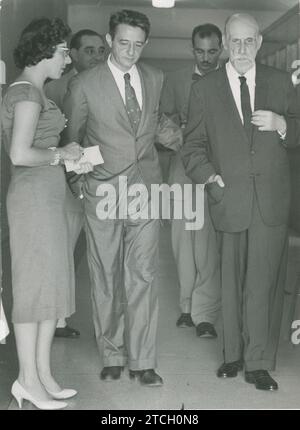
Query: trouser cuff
x=143, y=364
x=260, y=365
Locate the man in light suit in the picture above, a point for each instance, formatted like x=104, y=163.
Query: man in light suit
x=195, y=252
x=87, y=49
x=241, y=119
x=115, y=106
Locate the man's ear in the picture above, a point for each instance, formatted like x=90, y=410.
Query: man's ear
x=74, y=54
x=108, y=39
x=259, y=41
x=224, y=43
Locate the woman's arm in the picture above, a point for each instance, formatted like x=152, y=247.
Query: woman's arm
x=26, y=116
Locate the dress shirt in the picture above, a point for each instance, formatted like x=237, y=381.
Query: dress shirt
x=135, y=80
x=235, y=85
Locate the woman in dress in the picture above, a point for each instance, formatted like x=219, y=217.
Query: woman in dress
x=41, y=254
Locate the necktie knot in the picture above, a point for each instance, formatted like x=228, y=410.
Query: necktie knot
x=243, y=80
x=127, y=77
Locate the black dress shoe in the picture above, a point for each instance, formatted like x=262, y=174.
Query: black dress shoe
x=206, y=329
x=66, y=332
x=230, y=370
x=185, y=320
x=146, y=377
x=111, y=373
x=261, y=379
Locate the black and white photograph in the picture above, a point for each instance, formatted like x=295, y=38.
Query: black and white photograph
x=150, y=207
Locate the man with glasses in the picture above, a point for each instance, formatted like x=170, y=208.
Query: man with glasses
x=195, y=252
x=115, y=106
x=241, y=120
x=87, y=49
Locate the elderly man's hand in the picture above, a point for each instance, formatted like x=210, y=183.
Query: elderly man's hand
x=267, y=120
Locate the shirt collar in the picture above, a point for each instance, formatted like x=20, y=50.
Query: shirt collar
x=196, y=70
x=117, y=71
x=250, y=75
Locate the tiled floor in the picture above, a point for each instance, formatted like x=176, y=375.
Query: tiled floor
x=186, y=363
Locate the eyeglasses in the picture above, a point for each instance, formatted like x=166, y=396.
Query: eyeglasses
x=93, y=52
x=66, y=51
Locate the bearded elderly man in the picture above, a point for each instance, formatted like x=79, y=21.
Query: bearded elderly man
x=241, y=120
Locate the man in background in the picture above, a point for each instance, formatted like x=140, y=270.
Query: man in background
x=195, y=252
x=87, y=49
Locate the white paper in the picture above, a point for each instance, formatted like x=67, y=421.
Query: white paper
x=91, y=154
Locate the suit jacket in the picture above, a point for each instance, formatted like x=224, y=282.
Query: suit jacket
x=174, y=103
x=56, y=89
x=215, y=142
x=97, y=116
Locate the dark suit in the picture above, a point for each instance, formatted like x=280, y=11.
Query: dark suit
x=122, y=254
x=195, y=252
x=251, y=211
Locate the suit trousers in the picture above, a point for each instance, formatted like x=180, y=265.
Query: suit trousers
x=122, y=258
x=253, y=271
x=198, y=266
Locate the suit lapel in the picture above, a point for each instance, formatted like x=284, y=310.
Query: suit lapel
x=113, y=93
x=227, y=98
x=261, y=92
x=146, y=90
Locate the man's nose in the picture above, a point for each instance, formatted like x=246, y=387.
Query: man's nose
x=205, y=57
x=131, y=49
x=242, y=47
x=68, y=59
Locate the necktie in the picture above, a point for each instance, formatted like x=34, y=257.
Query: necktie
x=196, y=77
x=246, y=106
x=132, y=106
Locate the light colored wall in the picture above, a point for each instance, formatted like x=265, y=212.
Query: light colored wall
x=170, y=28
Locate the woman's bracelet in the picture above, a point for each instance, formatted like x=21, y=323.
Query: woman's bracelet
x=57, y=156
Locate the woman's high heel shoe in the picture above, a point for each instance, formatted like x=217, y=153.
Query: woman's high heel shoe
x=67, y=393
x=20, y=393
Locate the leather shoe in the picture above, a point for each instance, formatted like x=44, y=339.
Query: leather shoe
x=146, y=377
x=111, y=373
x=261, y=379
x=66, y=332
x=206, y=329
x=185, y=320
x=230, y=370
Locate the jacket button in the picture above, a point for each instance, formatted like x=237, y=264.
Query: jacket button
x=252, y=152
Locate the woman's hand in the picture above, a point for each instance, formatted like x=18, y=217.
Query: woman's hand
x=85, y=167
x=72, y=151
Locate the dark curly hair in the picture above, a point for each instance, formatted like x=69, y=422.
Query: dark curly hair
x=38, y=41
x=129, y=17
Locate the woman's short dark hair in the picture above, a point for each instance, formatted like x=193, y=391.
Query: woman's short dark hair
x=129, y=17
x=38, y=41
